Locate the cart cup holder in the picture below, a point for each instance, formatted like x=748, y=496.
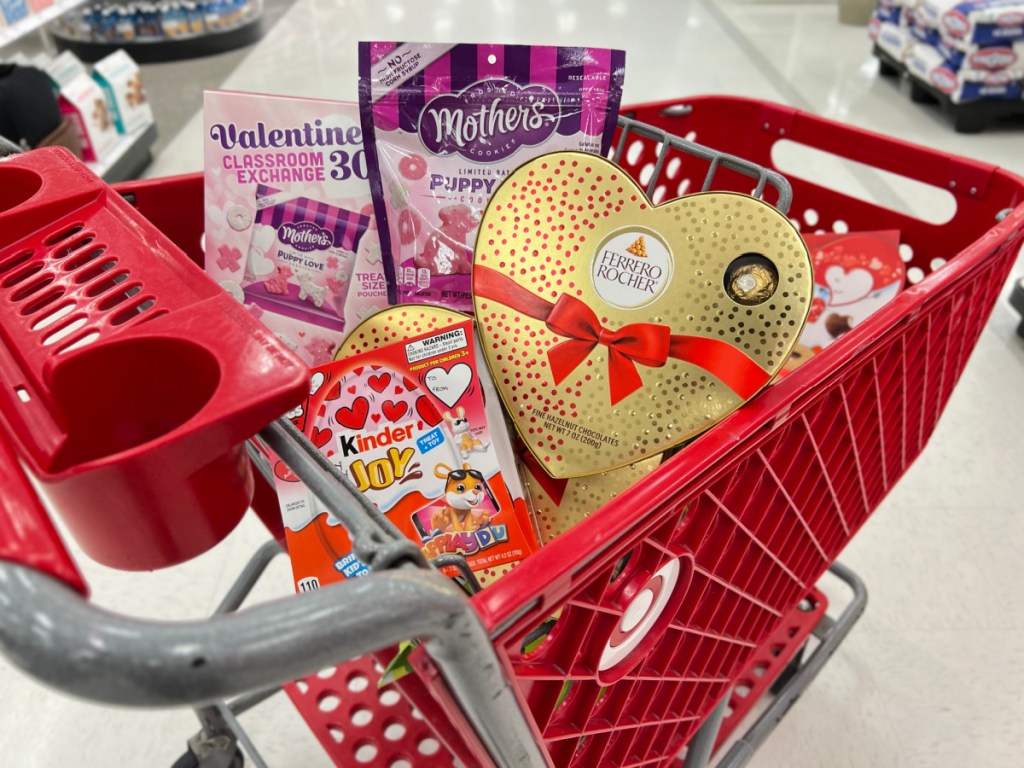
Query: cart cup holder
x=129, y=381
x=128, y=394
x=16, y=186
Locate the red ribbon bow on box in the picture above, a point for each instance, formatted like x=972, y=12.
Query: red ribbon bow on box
x=644, y=343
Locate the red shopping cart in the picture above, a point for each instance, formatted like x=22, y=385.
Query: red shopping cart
x=717, y=552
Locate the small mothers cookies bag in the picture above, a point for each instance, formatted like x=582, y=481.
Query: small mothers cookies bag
x=446, y=123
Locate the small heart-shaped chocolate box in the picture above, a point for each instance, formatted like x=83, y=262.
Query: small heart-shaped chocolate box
x=616, y=329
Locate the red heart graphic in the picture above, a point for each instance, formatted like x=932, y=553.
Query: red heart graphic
x=394, y=411
x=375, y=417
x=376, y=367
x=358, y=370
x=410, y=385
x=352, y=390
x=284, y=472
x=354, y=417
x=398, y=390
x=335, y=392
x=320, y=437
x=427, y=411
x=379, y=383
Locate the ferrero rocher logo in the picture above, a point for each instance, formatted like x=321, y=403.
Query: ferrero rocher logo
x=638, y=248
x=631, y=268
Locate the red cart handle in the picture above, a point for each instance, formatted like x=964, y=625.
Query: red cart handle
x=27, y=535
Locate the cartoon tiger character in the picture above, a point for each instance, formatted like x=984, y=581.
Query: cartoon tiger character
x=464, y=490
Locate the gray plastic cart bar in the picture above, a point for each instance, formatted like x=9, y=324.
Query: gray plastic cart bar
x=763, y=176
x=830, y=633
x=52, y=634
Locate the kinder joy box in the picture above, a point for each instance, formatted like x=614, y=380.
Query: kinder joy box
x=289, y=224
x=407, y=423
x=119, y=77
x=83, y=103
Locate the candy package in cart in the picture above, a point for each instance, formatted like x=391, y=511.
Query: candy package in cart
x=290, y=230
x=411, y=420
x=446, y=123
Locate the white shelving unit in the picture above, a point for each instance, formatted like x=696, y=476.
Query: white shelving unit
x=35, y=20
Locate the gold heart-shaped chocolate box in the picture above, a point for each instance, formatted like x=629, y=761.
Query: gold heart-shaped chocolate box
x=616, y=329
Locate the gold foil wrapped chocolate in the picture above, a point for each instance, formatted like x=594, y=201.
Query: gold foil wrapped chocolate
x=751, y=282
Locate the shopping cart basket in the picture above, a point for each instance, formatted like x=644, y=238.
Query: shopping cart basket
x=734, y=530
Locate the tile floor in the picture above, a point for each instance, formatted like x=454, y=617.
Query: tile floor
x=928, y=676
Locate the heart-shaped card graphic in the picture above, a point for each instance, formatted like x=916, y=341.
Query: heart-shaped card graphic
x=616, y=329
x=848, y=286
x=450, y=385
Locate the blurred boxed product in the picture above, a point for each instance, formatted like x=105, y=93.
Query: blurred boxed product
x=63, y=69
x=13, y=10
x=988, y=79
x=119, y=77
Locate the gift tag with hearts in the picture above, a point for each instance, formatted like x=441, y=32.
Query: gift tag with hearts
x=616, y=329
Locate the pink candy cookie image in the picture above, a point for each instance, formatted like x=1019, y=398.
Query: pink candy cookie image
x=447, y=251
x=413, y=167
x=229, y=258
x=279, y=282
x=321, y=350
x=408, y=226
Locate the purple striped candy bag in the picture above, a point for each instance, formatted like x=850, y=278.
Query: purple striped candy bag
x=444, y=124
x=302, y=255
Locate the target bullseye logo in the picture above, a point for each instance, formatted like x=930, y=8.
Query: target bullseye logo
x=645, y=619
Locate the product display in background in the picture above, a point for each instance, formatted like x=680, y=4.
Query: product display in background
x=406, y=422
x=614, y=329
x=13, y=10
x=83, y=103
x=121, y=80
x=64, y=68
x=289, y=219
x=446, y=123
x=965, y=84
x=969, y=52
x=855, y=275
x=110, y=22
x=983, y=22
